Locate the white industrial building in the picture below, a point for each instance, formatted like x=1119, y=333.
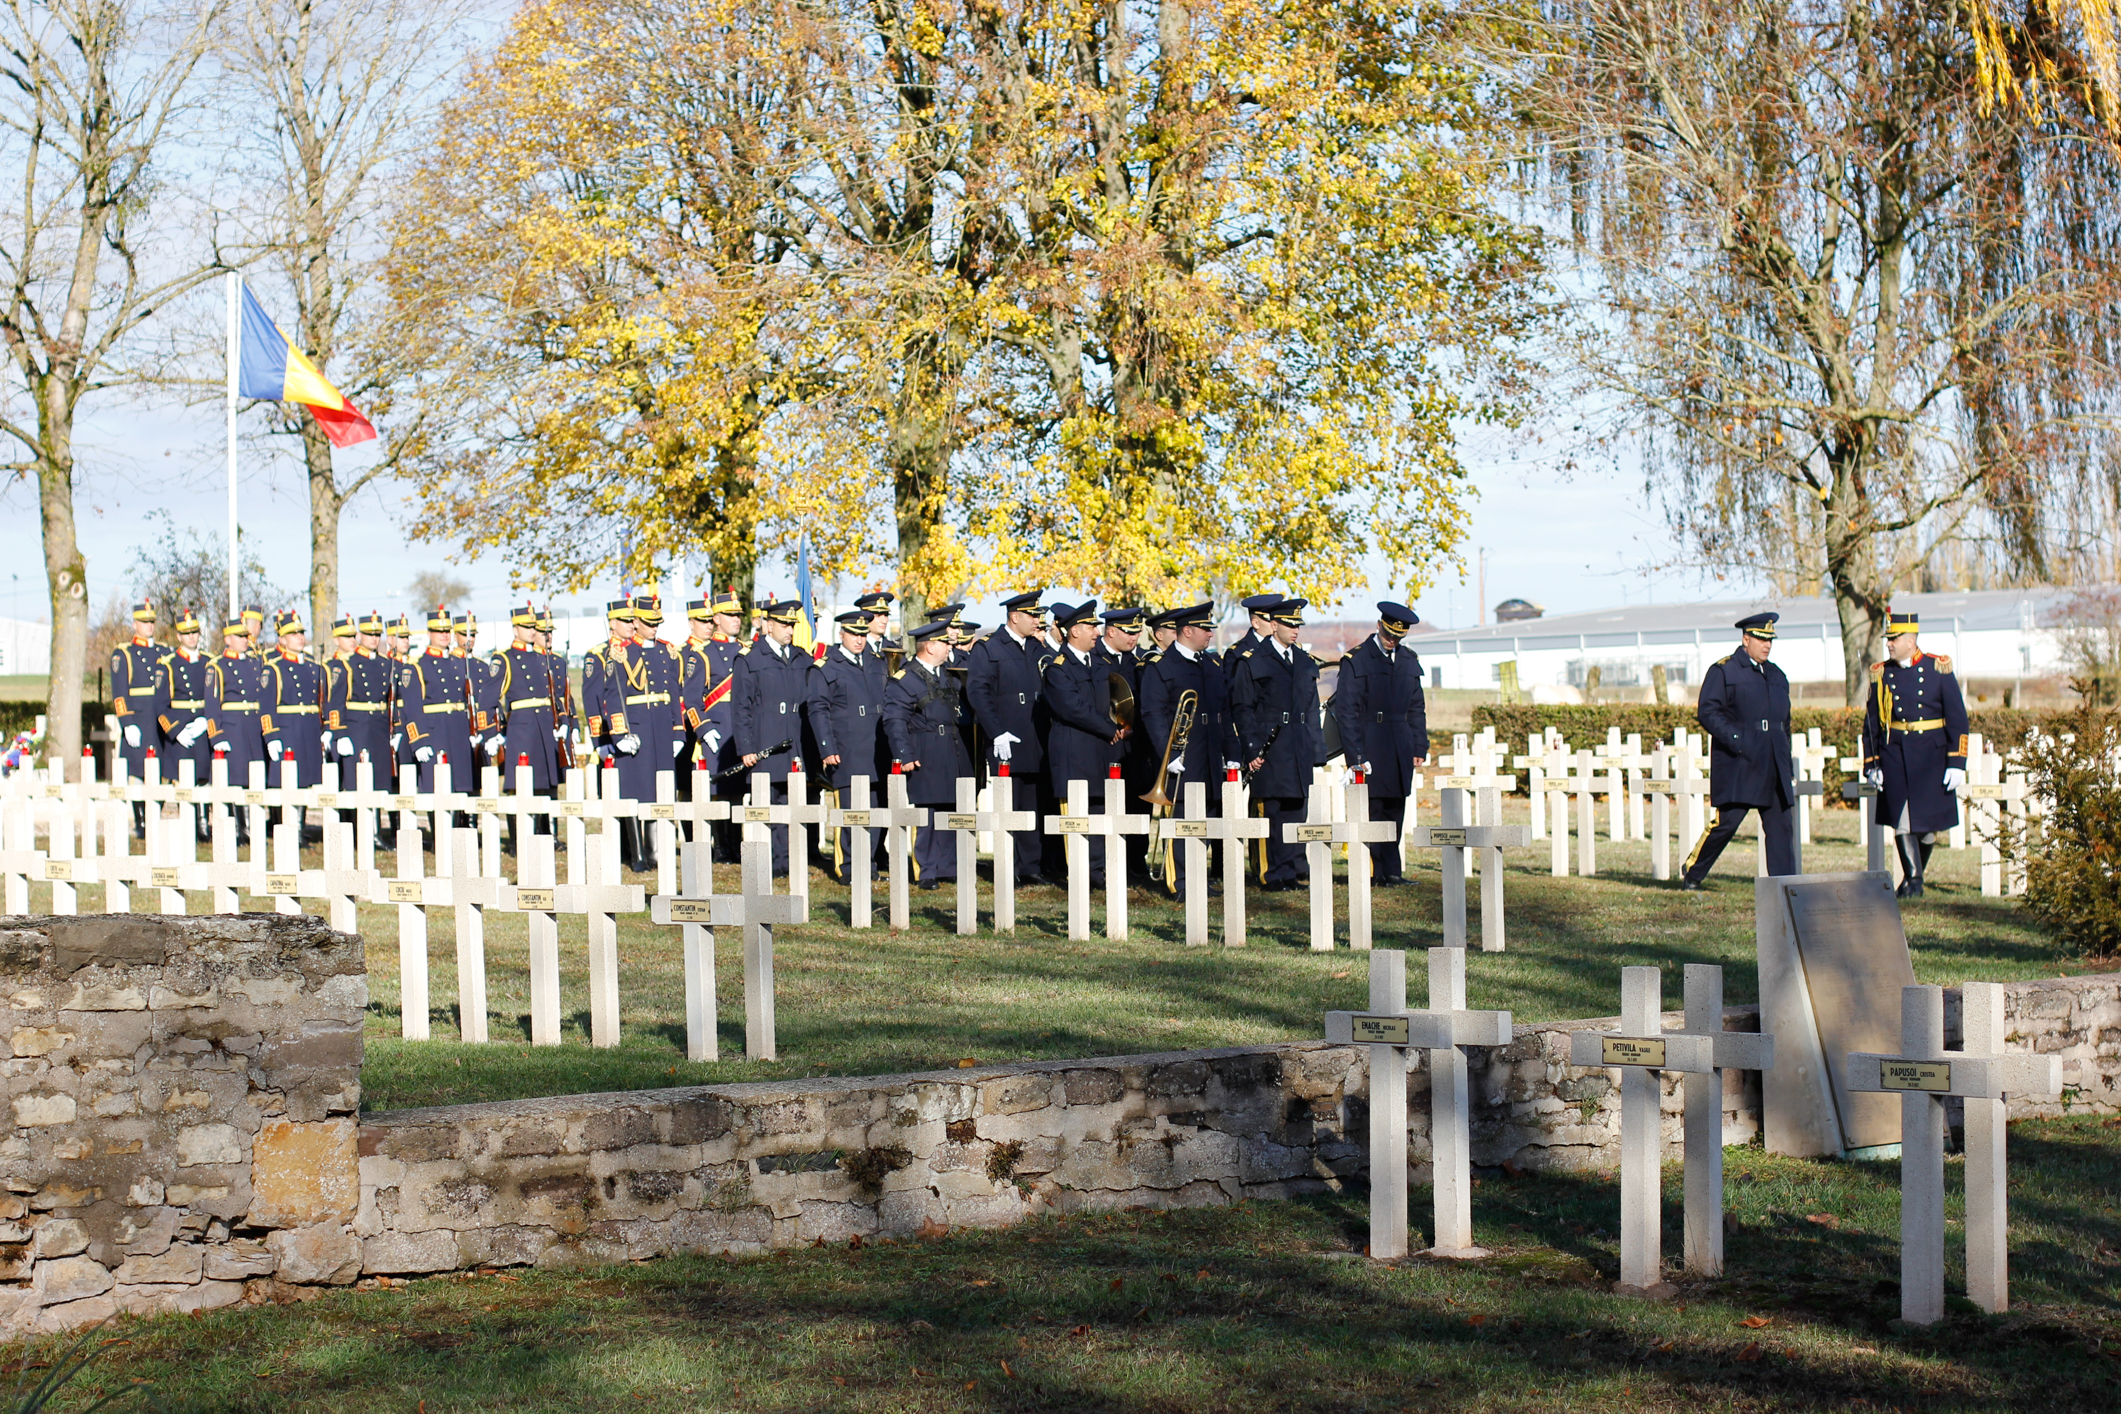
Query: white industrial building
x=1990, y=633
x=25, y=648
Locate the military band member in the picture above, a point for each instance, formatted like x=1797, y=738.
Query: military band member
x=359, y=709
x=1274, y=699
x=183, y=718
x=235, y=688
x=846, y=716
x=434, y=705
x=1914, y=746
x=1163, y=632
x=1745, y=711
x=293, y=717
x=924, y=713
x=1082, y=741
x=771, y=690
x=1118, y=651
x=139, y=684
x=1004, y=676
x=1384, y=726
x=1188, y=666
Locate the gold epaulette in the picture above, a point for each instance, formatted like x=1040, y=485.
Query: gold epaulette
x=1877, y=671
x=1944, y=662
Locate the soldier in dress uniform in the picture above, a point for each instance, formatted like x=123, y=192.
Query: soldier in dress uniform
x=254, y=620
x=924, y=715
x=398, y=649
x=235, y=688
x=709, y=662
x=1082, y=741
x=1384, y=726
x=1914, y=746
x=877, y=605
x=183, y=717
x=528, y=727
x=139, y=683
x=1163, y=632
x=1745, y=711
x=434, y=708
x=652, y=715
x=1004, y=676
x=1274, y=698
x=666, y=679
x=771, y=690
x=1188, y=666
x=359, y=713
x=1118, y=651
x=612, y=673
x=482, y=696
x=568, y=728
x=344, y=632
x=293, y=719
x=846, y=716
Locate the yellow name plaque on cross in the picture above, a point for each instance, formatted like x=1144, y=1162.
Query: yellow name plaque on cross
x=1378, y=1030
x=539, y=900
x=1933, y=1076
x=691, y=910
x=950, y=822
x=1630, y=1050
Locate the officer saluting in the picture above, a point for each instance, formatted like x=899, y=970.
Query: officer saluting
x=1384, y=726
x=1914, y=746
x=1745, y=709
x=924, y=716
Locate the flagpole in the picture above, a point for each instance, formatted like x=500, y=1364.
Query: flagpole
x=235, y=342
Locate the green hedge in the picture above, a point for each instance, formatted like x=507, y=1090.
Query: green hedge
x=2003, y=727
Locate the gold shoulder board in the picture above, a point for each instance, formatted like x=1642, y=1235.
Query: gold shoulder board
x=1944, y=662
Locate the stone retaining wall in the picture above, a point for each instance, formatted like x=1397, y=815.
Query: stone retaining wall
x=183, y=1092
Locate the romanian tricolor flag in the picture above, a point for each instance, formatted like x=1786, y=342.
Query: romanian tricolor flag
x=270, y=367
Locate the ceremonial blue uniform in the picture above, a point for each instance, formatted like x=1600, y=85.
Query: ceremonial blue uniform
x=771, y=687
x=705, y=686
x=1004, y=678
x=526, y=685
x=1384, y=725
x=1914, y=730
x=138, y=687
x=433, y=704
x=924, y=718
x=846, y=716
x=1745, y=711
x=293, y=717
x=359, y=716
x=235, y=692
x=1275, y=701
x=1079, y=745
x=185, y=703
x=1164, y=682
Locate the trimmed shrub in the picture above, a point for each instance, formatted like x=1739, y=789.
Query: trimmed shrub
x=2072, y=858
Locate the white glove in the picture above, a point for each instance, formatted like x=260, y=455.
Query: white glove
x=397, y=739
x=677, y=749
x=1876, y=776
x=346, y=746
x=423, y=754
x=132, y=734
x=1178, y=768
x=559, y=733
x=192, y=732
x=628, y=744
x=272, y=749
x=1954, y=778
x=495, y=745
x=714, y=740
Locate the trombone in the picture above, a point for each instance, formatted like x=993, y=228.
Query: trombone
x=1160, y=802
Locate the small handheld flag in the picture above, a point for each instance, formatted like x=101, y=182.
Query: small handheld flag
x=270, y=367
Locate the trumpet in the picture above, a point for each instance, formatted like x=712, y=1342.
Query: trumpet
x=1182, y=716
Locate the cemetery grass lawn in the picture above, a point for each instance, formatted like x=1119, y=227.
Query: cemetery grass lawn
x=1264, y=1306
x=872, y=1003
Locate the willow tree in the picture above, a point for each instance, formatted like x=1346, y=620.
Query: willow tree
x=1817, y=264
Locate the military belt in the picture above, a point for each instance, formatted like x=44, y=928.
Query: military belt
x=295, y=711
x=239, y=706
x=651, y=699
x=188, y=706
x=366, y=706
x=522, y=702
x=1927, y=724
x=444, y=707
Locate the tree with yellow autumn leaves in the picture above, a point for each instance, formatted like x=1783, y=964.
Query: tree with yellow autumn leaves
x=1143, y=299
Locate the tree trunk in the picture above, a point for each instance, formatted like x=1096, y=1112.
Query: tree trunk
x=66, y=576
x=1859, y=597
x=325, y=504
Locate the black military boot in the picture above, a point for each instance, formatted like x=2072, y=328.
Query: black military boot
x=1911, y=861
x=630, y=844
x=644, y=845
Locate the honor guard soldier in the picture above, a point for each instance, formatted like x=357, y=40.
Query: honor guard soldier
x=344, y=631
x=139, y=685
x=666, y=680
x=1004, y=677
x=1119, y=651
x=293, y=719
x=877, y=605
x=1274, y=698
x=569, y=726
x=1914, y=746
x=772, y=688
x=846, y=716
x=708, y=661
x=1384, y=726
x=235, y=690
x=359, y=712
x=1082, y=738
x=529, y=726
x=399, y=647
x=924, y=718
x=1745, y=712
x=1188, y=667
x=651, y=719
x=612, y=674
x=254, y=620
x=183, y=719
x=434, y=708
x=482, y=697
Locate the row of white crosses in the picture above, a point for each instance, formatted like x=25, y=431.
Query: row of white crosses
x=1981, y=1075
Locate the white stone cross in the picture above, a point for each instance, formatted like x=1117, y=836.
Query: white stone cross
x=20, y=859
x=1451, y=840
x=802, y=812
x=1493, y=924
x=472, y=890
x=1119, y=822
x=855, y=817
x=601, y=900
x=1872, y=829
x=410, y=892
x=1391, y=1029
x=1639, y=1050
x=899, y=820
x=757, y=910
x=1003, y=819
x=1362, y=832
x=1191, y=835
x=1982, y=1074
x=693, y=911
x=534, y=895
x=1987, y=795
x=1075, y=826
x=1728, y=1050
x=1233, y=827
x=966, y=822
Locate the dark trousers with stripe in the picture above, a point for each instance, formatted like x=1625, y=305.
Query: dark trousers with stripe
x=1285, y=861
x=1777, y=822
x=934, y=850
x=1384, y=854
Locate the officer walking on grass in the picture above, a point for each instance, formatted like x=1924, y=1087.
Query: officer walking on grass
x=1745, y=710
x=1914, y=747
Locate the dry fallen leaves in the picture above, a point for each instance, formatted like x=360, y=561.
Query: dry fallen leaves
x=1476, y=1320
x=1118, y=1282
x=966, y=1063
x=1754, y=1323
x=931, y=1228
x=1751, y=1352
x=1823, y=1219
x=1007, y=1373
